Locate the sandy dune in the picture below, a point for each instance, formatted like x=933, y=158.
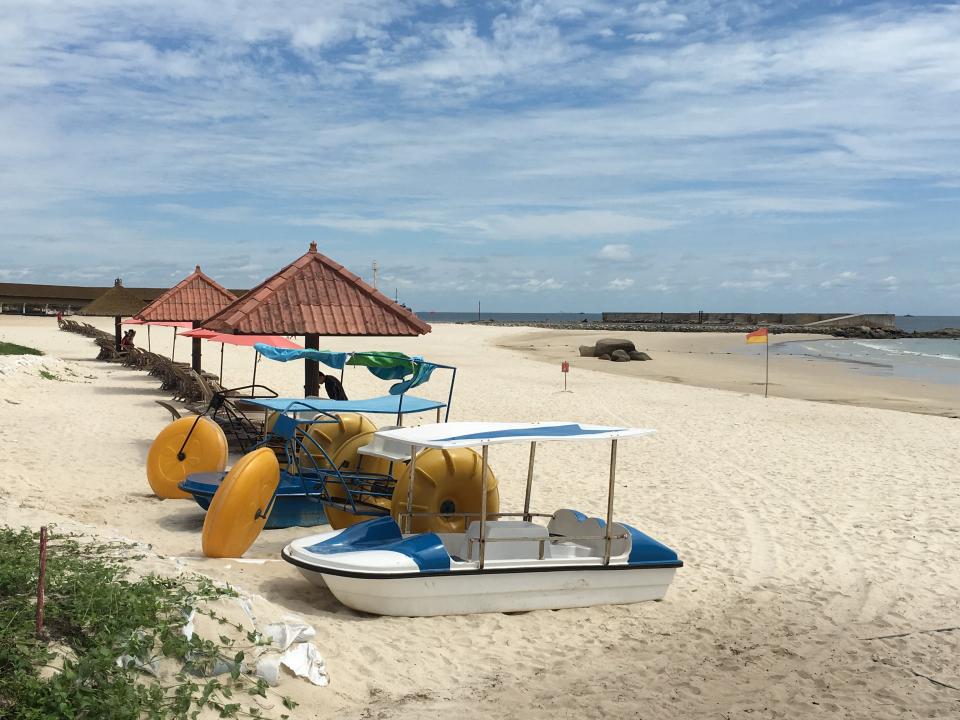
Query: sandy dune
x=807, y=529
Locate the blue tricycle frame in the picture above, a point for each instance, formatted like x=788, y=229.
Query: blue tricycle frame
x=307, y=472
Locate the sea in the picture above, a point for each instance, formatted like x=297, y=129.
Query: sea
x=926, y=359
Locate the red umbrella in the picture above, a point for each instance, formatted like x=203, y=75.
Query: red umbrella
x=277, y=341
x=244, y=340
x=199, y=333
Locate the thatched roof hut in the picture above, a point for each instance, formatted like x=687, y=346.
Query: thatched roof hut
x=115, y=302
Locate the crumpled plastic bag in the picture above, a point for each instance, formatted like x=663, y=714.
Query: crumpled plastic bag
x=290, y=647
x=285, y=634
x=297, y=654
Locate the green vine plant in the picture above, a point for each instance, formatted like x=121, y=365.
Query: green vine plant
x=96, y=612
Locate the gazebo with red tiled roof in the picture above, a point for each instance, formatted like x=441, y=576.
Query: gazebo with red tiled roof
x=194, y=298
x=314, y=296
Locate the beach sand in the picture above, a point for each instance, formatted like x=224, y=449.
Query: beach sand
x=724, y=361
x=809, y=531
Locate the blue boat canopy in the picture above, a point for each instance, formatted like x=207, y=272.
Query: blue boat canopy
x=472, y=434
x=384, y=365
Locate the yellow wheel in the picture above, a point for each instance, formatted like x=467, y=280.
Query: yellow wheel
x=349, y=460
x=205, y=451
x=235, y=516
x=330, y=435
x=447, y=481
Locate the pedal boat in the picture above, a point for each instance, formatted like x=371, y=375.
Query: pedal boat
x=504, y=562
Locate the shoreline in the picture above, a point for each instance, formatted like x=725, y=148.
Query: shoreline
x=854, y=331
x=717, y=360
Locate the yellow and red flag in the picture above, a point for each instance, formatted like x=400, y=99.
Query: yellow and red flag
x=757, y=336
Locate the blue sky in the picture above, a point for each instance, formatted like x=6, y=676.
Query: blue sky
x=568, y=156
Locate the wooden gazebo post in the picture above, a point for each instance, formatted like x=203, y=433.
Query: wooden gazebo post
x=195, y=354
x=311, y=379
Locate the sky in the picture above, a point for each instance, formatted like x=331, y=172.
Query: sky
x=534, y=156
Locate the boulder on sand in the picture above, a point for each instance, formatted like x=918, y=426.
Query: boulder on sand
x=637, y=355
x=620, y=356
x=588, y=351
x=603, y=357
x=606, y=346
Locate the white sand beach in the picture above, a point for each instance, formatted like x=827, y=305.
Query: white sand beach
x=821, y=540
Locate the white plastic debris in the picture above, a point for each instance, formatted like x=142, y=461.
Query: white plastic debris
x=187, y=628
x=290, y=646
x=285, y=634
x=304, y=660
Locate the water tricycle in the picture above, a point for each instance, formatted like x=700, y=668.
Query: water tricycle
x=318, y=461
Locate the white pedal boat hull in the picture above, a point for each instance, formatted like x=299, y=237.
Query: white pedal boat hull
x=372, y=568
x=496, y=592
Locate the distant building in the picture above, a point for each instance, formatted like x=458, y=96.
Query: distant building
x=27, y=298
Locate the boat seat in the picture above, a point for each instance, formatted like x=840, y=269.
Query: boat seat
x=570, y=523
x=520, y=549
x=386, y=448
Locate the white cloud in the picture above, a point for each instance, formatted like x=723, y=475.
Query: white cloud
x=746, y=284
x=615, y=253
x=620, y=284
x=535, y=285
x=841, y=280
x=770, y=273
x=890, y=284
x=577, y=223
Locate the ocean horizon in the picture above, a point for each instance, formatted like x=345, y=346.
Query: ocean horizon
x=907, y=323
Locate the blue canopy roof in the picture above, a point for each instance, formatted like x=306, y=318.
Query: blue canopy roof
x=472, y=434
x=386, y=405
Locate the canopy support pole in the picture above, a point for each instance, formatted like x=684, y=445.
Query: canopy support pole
x=613, y=478
x=173, y=353
x=222, y=346
x=149, y=348
x=116, y=331
x=526, y=498
x=453, y=381
x=195, y=359
x=311, y=368
x=483, y=509
x=413, y=475
x=256, y=359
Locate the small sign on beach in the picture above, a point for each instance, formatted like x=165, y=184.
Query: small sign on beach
x=565, y=368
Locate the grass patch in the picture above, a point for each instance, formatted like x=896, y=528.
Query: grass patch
x=95, y=613
x=47, y=375
x=8, y=348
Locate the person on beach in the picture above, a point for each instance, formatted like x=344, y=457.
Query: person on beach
x=333, y=387
x=126, y=343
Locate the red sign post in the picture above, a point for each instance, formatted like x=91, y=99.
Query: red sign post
x=565, y=369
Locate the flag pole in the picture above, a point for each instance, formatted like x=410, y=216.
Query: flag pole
x=766, y=382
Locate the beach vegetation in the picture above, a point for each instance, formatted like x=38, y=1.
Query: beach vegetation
x=47, y=375
x=9, y=348
x=113, y=645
